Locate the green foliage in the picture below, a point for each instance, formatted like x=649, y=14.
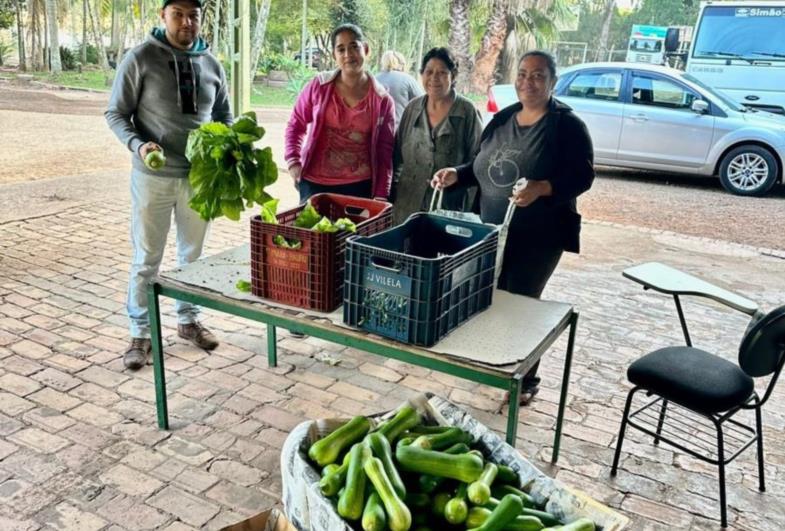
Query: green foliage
x=8, y=14
x=6, y=49
x=68, y=58
x=227, y=172
x=666, y=13
x=277, y=61
x=297, y=81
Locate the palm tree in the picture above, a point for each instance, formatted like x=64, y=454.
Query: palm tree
x=491, y=46
x=458, y=40
x=54, y=39
x=20, y=29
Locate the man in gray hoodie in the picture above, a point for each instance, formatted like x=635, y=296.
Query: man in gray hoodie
x=163, y=89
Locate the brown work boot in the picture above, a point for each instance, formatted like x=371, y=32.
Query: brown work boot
x=137, y=353
x=198, y=335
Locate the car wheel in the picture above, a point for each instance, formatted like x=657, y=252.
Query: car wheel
x=749, y=170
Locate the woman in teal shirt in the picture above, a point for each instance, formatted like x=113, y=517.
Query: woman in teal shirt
x=437, y=130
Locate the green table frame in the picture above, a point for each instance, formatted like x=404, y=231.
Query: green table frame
x=504, y=377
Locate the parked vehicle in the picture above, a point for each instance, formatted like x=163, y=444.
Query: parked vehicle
x=658, y=118
x=738, y=48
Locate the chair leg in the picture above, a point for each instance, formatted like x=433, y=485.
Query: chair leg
x=759, y=427
x=721, y=464
x=622, y=429
x=660, y=421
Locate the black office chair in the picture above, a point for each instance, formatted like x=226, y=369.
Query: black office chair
x=701, y=387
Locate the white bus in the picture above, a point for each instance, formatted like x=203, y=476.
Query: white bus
x=739, y=48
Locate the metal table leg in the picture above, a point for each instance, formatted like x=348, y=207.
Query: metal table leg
x=272, y=353
x=513, y=408
x=159, y=372
x=564, y=385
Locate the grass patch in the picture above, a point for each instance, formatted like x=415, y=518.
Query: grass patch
x=90, y=79
x=264, y=96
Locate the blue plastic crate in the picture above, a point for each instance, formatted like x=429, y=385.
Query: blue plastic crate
x=420, y=280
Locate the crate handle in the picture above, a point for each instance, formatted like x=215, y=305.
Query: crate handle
x=357, y=211
x=457, y=230
x=395, y=267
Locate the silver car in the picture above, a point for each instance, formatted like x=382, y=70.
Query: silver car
x=657, y=118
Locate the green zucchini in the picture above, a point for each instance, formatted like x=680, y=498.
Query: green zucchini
x=374, y=517
x=406, y=417
x=439, y=501
x=439, y=441
x=329, y=469
x=478, y=516
x=507, y=475
x=332, y=483
x=508, y=509
x=480, y=490
x=499, y=491
x=457, y=509
x=351, y=502
x=326, y=450
x=463, y=467
x=430, y=483
x=422, y=429
x=546, y=518
x=581, y=524
x=399, y=517
x=381, y=449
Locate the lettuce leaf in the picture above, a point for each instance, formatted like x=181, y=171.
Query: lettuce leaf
x=228, y=174
x=345, y=224
x=325, y=225
x=308, y=217
x=270, y=211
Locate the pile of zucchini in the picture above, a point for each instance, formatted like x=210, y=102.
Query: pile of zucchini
x=432, y=480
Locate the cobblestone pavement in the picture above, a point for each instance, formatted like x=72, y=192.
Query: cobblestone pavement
x=79, y=446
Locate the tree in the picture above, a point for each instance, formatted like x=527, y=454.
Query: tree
x=99, y=41
x=262, y=14
x=7, y=13
x=54, y=38
x=490, y=47
x=20, y=30
x=602, y=48
x=459, y=40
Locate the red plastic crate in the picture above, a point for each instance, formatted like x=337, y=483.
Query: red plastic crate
x=310, y=277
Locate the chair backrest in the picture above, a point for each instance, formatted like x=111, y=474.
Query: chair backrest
x=762, y=350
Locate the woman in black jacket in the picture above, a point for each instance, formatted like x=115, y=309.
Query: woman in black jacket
x=541, y=145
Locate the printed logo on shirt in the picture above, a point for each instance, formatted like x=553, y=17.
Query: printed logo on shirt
x=189, y=79
x=503, y=171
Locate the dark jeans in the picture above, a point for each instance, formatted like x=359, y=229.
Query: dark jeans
x=308, y=188
x=525, y=271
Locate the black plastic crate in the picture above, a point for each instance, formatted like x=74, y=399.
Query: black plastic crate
x=418, y=281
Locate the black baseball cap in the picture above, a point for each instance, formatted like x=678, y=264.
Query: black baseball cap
x=197, y=3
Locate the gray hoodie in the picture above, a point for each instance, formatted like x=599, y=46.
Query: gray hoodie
x=155, y=98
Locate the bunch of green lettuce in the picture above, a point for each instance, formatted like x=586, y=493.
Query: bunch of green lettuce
x=228, y=173
x=307, y=218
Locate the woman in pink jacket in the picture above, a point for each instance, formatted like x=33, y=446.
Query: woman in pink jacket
x=349, y=119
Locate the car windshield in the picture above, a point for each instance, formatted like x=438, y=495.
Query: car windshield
x=748, y=33
x=724, y=100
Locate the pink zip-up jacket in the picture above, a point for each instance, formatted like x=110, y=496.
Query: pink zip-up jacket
x=309, y=111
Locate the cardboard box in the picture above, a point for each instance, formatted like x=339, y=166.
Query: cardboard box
x=269, y=520
x=309, y=510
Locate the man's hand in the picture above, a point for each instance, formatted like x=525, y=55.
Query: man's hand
x=147, y=147
x=531, y=192
x=444, y=178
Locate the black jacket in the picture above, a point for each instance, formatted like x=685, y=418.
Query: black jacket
x=555, y=219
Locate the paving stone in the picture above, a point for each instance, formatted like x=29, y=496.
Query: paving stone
x=67, y=363
x=54, y=399
x=379, y=371
x=187, y=507
x=55, y=379
x=18, y=385
x=186, y=451
x=6, y=449
x=240, y=498
x=95, y=415
x=95, y=394
x=131, y=513
x=83, y=460
x=48, y=419
x=12, y=524
x=260, y=394
x=130, y=481
x=195, y=480
x=235, y=472
x=39, y=440
x=87, y=435
x=66, y=517
x=102, y=377
x=30, y=349
x=13, y=405
x=21, y=365
x=138, y=389
x=278, y=418
x=657, y=511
